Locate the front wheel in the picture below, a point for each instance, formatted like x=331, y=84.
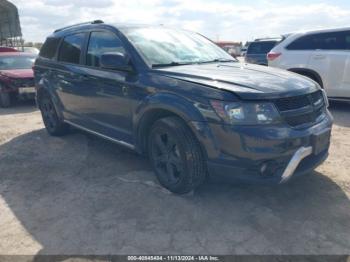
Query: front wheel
x=176, y=155
x=53, y=124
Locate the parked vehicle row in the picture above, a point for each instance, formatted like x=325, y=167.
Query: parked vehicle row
x=183, y=101
x=322, y=55
x=233, y=48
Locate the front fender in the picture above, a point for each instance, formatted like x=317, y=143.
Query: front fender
x=170, y=102
x=43, y=87
x=175, y=105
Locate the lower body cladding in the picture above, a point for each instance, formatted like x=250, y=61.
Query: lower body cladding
x=266, y=154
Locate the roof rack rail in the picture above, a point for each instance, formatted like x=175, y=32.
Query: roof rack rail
x=267, y=38
x=85, y=23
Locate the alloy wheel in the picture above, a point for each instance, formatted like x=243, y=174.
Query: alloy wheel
x=166, y=157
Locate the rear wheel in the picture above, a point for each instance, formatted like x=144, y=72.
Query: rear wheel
x=176, y=156
x=54, y=125
x=5, y=99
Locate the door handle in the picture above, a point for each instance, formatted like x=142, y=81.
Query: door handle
x=319, y=56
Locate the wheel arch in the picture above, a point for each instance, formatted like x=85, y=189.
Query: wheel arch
x=42, y=90
x=160, y=106
x=308, y=73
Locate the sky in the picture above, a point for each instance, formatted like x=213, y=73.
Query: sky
x=231, y=20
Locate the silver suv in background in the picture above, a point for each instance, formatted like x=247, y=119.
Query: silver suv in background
x=322, y=55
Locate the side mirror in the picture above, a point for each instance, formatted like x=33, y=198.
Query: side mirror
x=116, y=61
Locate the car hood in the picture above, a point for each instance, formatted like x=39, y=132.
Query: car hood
x=18, y=73
x=245, y=80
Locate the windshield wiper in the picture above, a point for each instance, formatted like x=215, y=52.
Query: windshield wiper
x=219, y=60
x=171, y=64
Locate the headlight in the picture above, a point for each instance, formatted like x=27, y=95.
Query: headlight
x=246, y=113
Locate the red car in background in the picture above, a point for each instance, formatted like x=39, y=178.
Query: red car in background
x=16, y=77
x=7, y=49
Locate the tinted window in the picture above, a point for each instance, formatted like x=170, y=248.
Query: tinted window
x=322, y=41
x=347, y=40
x=102, y=42
x=71, y=48
x=49, y=48
x=261, y=47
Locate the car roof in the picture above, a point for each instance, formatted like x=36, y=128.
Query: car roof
x=16, y=54
x=321, y=30
x=272, y=39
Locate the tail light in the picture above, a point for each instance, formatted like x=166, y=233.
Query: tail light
x=272, y=56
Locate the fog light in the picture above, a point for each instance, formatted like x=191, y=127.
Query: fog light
x=263, y=168
x=269, y=168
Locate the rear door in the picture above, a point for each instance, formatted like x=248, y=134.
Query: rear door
x=68, y=75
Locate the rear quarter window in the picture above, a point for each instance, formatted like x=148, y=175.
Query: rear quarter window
x=48, y=50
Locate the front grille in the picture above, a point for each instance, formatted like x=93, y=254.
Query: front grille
x=301, y=110
x=290, y=103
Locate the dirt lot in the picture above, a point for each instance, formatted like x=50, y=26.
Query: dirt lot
x=81, y=195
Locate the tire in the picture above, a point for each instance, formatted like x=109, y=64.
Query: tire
x=53, y=124
x=176, y=155
x=5, y=100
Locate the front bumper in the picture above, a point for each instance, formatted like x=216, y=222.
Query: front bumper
x=25, y=92
x=271, y=154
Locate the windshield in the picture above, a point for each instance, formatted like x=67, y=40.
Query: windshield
x=164, y=46
x=16, y=62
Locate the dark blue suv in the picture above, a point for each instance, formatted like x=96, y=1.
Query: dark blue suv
x=180, y=99
x=258, y=49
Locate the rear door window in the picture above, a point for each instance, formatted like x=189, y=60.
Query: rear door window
x=261, y=47
x=322, y=41
x=347, y=40
x=102, y=42
x=71, y=48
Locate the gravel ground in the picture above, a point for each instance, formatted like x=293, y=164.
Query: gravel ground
x=82, y=195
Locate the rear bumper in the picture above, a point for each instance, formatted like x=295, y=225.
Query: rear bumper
x=21, y=92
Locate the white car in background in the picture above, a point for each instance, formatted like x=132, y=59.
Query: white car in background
x=322, y=55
